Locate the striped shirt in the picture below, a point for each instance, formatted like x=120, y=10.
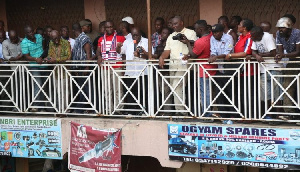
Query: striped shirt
x=78, y=52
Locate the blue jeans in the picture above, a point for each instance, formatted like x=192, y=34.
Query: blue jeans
x=207, y=96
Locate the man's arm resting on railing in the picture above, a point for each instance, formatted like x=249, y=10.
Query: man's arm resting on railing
x=99, y=56
x=213, y=58
x=235, y=55
x=162, y=58
x=281, y=54
x=29, y=58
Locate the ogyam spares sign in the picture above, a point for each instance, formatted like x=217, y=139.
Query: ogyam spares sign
x=31, y=138
x=94, y=150
x=243, y=146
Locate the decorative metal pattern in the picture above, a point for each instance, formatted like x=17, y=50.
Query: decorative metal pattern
x=39, y=13
x=117, y=9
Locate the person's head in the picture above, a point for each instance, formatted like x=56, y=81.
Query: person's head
x=159, y=24
x=2, y=36
x=201, y=27
x=170, y=23
x=124, y=27
x=129, y=20
x=102, y=27
x=257, y=33
x=209, y=27
x=91, y=25
x=2, y=25
x=55, y=37
x=136, y=34
x=177, y=23
x=291, y=17
x=165, y=32
x=235, y=21
x=29, y=34
x=85, y=26
x=266, y=26
x=284, y=26
x=13, y=36
x=76, y=28
x=64, y=31
x=109, y=27
x=245, y=26
x=217, y=31
x=39, y=30
x=47, y=31
x=223, y=20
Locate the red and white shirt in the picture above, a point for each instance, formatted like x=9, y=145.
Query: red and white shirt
x=108, y=44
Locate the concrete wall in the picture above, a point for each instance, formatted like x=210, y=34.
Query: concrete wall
x=3, y=13
x=95, y=11
x=211, y=10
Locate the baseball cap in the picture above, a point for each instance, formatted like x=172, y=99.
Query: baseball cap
x=128, y=19
x=284, y=22
x=84, y=23
x=217, y=28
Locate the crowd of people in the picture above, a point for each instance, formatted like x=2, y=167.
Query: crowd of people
x=228, y=40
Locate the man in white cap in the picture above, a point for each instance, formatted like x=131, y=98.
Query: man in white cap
x=128, y=19
x=288, y=45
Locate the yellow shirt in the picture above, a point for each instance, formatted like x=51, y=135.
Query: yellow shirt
x=176, y=47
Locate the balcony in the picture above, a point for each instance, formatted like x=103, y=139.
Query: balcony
x=86, y=89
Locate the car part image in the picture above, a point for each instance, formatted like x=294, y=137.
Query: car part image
x=265, y=147
x=42, y=135
x=271, y=155
x=238, y=147
x=51, y=153
x=241, y=154
x=29, y=144
x=212, y=155
x=260, y=157
x=26, y=138
x=30, y=152
x=229, y=154
x=34, y=136
x=17, y=135
x=220, y=151
x=41, y=143
x=38, y=152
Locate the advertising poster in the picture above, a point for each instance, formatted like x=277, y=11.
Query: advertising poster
x=242, y=146
x=94, y=150
x=30, y=138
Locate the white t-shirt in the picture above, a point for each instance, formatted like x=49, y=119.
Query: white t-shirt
x=266, y=44
x=135, y=68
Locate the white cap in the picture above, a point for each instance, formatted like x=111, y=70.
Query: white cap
x=128, y=19
x=284, y=22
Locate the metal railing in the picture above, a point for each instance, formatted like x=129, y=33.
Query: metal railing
x=142, y=89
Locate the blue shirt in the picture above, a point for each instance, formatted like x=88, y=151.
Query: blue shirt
x=224, y=46
x=289, y=46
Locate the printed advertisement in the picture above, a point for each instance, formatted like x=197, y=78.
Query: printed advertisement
x=94, y=150
x=30, y=137
x=242, y=146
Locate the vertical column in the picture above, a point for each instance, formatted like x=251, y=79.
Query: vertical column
x=95, y=11
x=22, y=165
x=3, y=13
x=210, y=10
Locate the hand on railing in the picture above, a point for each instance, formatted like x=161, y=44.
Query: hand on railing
x=259, y=58
x=39, y=60
x=100, y=60
x=212, y=59
x=278, y=57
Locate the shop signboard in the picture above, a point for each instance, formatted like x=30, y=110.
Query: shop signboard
x=94, y=150
x=31, y=137
x=242, y=146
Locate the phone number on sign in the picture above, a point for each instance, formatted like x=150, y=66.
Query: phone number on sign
x=210, y=161
x=261, y=164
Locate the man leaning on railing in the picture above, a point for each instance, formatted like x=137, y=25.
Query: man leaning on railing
x=59, y=52
x=288, y=45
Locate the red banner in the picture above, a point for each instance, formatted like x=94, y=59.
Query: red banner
x=94, y=150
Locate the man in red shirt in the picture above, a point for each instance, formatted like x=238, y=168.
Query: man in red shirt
x=106, y=51
x=201, y=50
